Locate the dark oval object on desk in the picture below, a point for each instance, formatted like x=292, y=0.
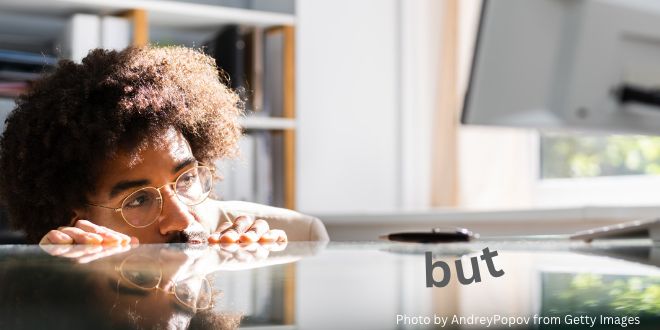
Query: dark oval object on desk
x=436, y=235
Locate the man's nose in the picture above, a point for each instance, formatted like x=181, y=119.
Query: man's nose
x=175, y=216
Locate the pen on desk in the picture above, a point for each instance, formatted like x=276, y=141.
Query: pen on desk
x=437, y=235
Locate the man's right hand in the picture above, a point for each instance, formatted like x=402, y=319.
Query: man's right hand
x=85, y=232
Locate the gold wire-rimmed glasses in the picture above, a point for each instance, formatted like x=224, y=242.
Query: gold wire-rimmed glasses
x=145, y=273
x=143, y=207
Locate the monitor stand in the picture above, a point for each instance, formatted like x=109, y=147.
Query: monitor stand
x=635, y=229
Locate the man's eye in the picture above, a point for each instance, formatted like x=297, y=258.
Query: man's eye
x=188, y=179
x=140, y=199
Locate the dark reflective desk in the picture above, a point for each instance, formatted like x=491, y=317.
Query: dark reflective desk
x=547, y=284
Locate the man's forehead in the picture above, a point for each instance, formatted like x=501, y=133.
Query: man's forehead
x=164, y=147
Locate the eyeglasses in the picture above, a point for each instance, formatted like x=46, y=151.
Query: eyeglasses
x=143, y=207
x=145, y=273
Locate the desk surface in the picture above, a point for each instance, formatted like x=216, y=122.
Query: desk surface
x=336, y=286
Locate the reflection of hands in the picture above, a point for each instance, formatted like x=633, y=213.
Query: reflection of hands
x=247, y=229
x=85, y=232
x=232, y=253
x=84, y=253
x=245, y=256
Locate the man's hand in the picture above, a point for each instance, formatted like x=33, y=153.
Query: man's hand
x=85, y=232
x=83, y=254
x=247, y=229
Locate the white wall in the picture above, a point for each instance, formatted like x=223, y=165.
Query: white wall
x=347, y=105
x=366, y=84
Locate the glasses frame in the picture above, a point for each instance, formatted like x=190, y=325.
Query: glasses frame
x=170, y=291
x=160, y=197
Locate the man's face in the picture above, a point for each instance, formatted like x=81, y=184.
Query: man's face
x=165, y=157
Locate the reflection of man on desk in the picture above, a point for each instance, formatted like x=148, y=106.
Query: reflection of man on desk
x=121, y=148
x=145, y=287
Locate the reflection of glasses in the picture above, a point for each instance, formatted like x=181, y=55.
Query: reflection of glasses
x=141, y=208
x=145, y=273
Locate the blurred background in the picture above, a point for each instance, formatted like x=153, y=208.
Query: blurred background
x=353, y=113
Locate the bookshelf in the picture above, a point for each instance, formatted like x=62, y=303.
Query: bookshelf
x=186, y=23
x=176, y=14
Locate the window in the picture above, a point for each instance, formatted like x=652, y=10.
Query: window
x=580, y=156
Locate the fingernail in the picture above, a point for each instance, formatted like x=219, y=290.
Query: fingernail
x=214, y=238
x=230, y=236
x=94, y=239
x=63, y=238
x=249, y=237
x=267, y=237
x=126, y=240
x=109, y=238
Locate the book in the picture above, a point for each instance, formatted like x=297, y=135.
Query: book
x=115, y=32
x=277, y=167
x=81, y=34
x=228, y=48
x=254, y=69
x=273, y=85
x=224, y=185
x=12, y=89
x=22, y=66
x=18, y=69
x=263, y=168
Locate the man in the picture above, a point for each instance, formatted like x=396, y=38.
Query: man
x=121, y=149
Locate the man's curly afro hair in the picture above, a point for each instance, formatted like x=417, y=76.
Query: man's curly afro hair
x=74, y=119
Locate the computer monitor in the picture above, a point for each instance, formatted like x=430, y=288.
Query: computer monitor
x=570, y=65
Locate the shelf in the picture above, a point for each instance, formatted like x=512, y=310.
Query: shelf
x=175, y=14
x=267, y=123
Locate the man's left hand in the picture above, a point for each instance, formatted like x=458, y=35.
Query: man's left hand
x=247, y=229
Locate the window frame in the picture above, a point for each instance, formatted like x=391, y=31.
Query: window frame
x=639, y=190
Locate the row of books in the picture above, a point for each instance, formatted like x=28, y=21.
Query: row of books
x=87, y=31
x=255, y=176
x=81, y=33
x=18, y=69
x=252, y=58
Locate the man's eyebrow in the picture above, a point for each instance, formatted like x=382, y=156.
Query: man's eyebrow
x=124, y=185
x=183, y=164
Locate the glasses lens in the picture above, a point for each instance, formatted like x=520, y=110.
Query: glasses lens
x=194, y=185
x=141, y=271
x=194, y=293
x=142, y=207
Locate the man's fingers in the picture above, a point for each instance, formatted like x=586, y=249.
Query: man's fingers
x=274, y=246
x=252, y=235
x=85, y=232
x=82, y=237
x=215, y=237
x=258, y=251
x=56, y=237
x=224, y=226
x=105, y=252
x=231, y=233
x=274, y=235
x=246, y=229
x=55, y=249
x=229, y=236
x=243, y=223
x=109, y=236
x=79, y=251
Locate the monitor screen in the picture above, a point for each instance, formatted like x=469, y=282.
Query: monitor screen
x=589, y=65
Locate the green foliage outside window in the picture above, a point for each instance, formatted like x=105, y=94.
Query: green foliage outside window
x=593, y=294
x=564, y=156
